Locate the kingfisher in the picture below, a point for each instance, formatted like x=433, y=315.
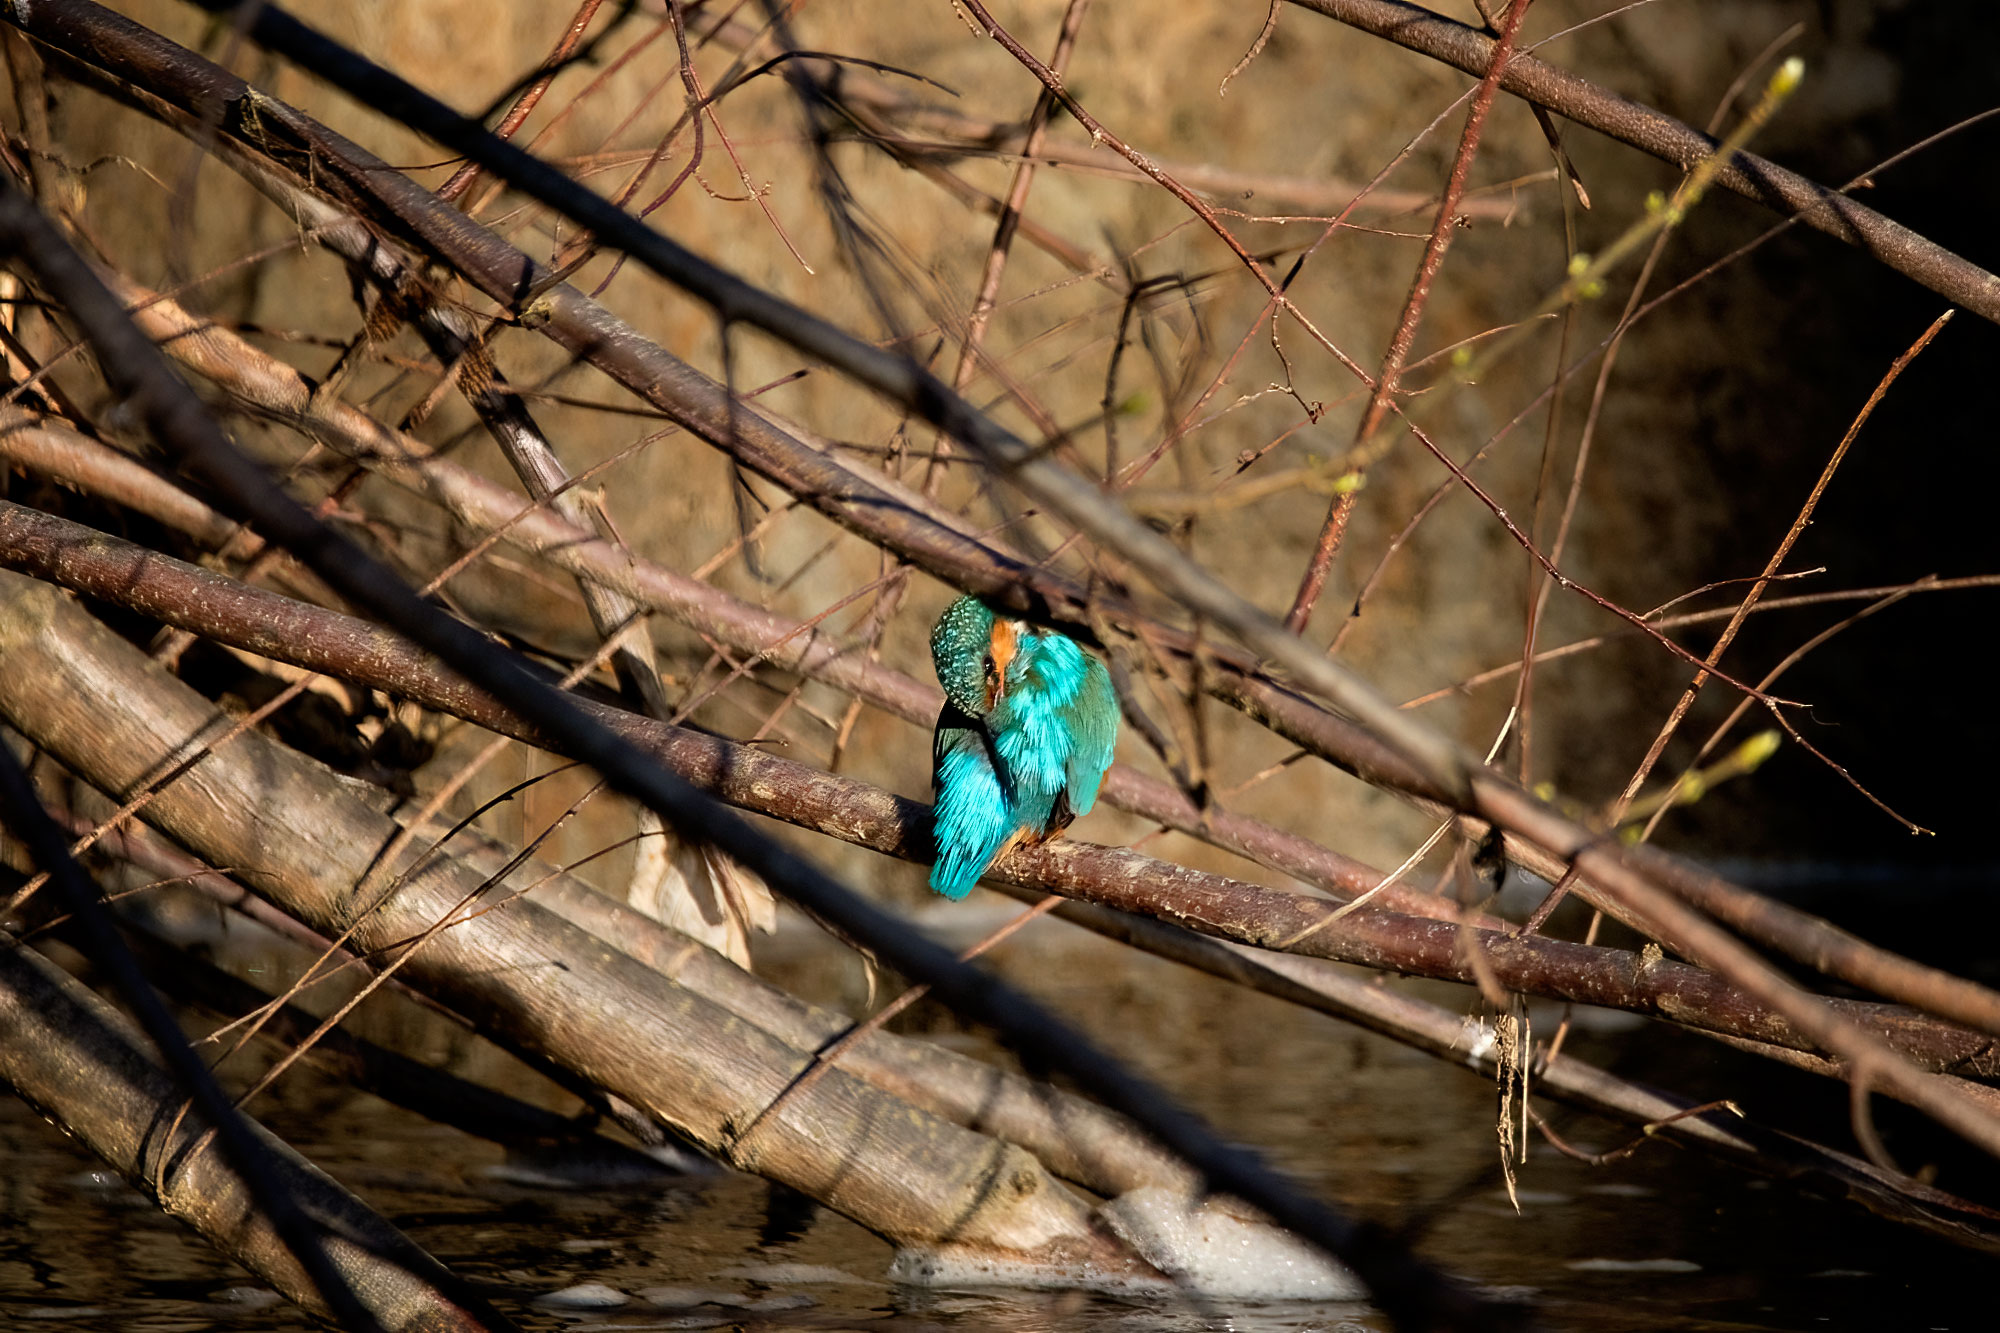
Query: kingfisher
x=1026, y=732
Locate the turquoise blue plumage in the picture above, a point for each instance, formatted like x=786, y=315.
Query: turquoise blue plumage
x=1027, y=730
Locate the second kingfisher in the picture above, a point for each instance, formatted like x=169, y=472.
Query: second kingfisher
x=1027, y=731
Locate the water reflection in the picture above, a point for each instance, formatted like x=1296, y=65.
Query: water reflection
x=1660, y=1241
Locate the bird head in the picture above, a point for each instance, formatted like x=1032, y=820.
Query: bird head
x=972, y=649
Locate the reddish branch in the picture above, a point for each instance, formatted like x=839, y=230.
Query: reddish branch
x=531, y=96
x=1443, y=227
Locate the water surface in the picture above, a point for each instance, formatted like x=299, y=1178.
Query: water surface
x=1663, y=1240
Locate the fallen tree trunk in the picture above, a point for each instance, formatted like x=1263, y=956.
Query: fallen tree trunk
x=1076, y=1138
x=70, y=1055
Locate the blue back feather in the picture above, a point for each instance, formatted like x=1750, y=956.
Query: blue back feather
x=1033, y=724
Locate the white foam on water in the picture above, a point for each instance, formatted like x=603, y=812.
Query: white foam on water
x=1219, y=1252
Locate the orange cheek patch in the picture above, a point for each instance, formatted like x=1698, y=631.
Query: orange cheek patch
x=1001, y=646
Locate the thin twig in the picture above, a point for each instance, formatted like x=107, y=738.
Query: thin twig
x=1443, y=227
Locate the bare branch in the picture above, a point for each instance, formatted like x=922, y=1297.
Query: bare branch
x=1578, y=99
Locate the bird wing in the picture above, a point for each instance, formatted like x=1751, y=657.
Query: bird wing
x=973, y=817
x=1091, y=719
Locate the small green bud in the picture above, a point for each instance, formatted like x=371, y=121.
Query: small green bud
x=1757, y=749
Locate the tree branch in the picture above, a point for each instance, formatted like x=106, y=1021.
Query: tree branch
x=1578, y=99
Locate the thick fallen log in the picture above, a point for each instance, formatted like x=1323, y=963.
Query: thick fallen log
x=528, y=978
x=1075, y=1138
x=71, y=1056
x=551, y=1141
